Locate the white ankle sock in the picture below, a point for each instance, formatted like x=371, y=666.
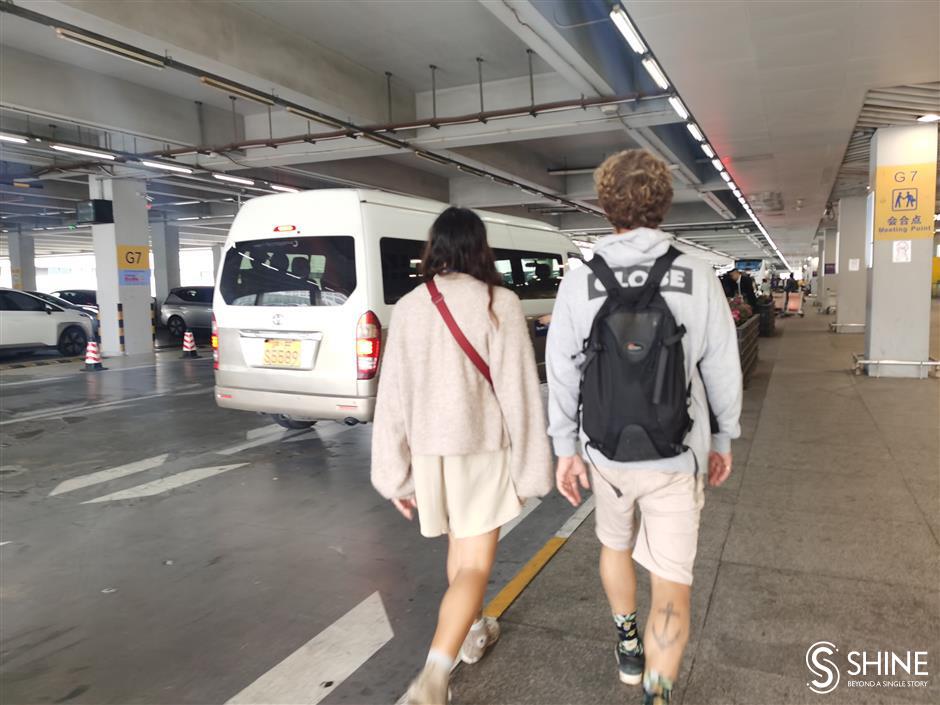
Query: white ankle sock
x=439, y=658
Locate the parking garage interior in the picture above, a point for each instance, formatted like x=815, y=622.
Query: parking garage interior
x=156, y=548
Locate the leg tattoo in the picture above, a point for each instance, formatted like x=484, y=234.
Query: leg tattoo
x=663, y=637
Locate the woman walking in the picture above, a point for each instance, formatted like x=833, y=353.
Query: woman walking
x=459, y=428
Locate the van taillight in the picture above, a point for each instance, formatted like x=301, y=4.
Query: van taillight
x=368, y=342
x=215, y=344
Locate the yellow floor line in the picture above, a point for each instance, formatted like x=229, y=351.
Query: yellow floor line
x=514, y=587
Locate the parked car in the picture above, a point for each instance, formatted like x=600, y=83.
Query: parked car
x=62, y=303
x=79, y=297
x=28, y=322
x=187, y=307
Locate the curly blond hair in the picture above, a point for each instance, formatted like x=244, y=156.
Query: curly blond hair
x=634, y=189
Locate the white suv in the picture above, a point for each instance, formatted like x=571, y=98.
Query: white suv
x=27, y=321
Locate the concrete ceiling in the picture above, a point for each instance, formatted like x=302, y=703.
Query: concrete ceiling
x=406, y=36
x=331, y=56
x=777, y=86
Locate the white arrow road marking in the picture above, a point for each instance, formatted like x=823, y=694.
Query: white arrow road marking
x=263, y=431
x=77, y=483
x=165, y=484
x=330, y=657
x=527, y=509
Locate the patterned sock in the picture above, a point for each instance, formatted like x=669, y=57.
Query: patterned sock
x=627, y=633
x=657, y=689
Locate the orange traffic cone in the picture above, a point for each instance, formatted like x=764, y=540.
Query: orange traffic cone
x=92, y=357
x=189, y=344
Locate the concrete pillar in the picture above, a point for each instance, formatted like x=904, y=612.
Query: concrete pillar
x=902, y=178
x=22, y=261
x=818, y=269
x=830, y=267
x=853, y=273
x=122, y=263
x=165, y=241
x=216, y=261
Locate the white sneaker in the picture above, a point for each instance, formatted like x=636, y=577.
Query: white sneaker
x=429, y=688
x=479, y=639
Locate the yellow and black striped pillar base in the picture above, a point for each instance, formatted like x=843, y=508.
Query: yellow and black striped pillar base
x=120, y=317
x=153, y=325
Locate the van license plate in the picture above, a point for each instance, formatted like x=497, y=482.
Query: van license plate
x=279, y=352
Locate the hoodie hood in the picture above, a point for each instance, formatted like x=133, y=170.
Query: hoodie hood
x=637, y=246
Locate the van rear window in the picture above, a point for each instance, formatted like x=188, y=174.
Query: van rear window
x=296, y=271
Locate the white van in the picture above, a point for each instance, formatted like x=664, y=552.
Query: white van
x=307, y=285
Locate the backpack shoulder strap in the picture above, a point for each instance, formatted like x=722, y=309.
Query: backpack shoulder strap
x=438, y=299
x=605, y=275
x=662, y=265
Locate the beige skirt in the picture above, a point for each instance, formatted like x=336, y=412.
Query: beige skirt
x=464, y=495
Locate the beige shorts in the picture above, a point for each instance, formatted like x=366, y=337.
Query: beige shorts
x=464, y=495
x=664, y=536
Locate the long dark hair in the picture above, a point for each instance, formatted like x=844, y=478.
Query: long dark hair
x=457, y=243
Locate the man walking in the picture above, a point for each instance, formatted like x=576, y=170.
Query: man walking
x=641, y=343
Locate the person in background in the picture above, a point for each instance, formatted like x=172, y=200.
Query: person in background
x=736, y=283
x=635, y=190
x=459, y=429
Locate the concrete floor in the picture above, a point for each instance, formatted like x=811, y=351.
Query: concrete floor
x=828, y=529
x=193, y=593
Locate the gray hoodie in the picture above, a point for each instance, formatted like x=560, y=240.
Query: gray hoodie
x=697, y=300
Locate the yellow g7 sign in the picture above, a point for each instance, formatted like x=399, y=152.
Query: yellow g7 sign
x=133, y=257
x=904, y=201
x=133, y=265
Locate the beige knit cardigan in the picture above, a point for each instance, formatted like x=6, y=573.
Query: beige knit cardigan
x=433, y=401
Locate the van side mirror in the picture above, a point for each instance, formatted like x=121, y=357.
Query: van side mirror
x=49, y=309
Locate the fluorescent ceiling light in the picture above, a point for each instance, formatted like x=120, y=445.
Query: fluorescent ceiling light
x=189, y=217
x=167, y=167
x=737, y=194
x=84, y=152
x=13, y=138
x=237, y=90
x=733, y=186
x=619, y=17
x=432, y=158
x=679, y=107
x=929, y=117
x=233, y=179
x=285, y=189
x=718, y=165
x=656, y=73
x=123, y=52
x=185, y=203
x=709, y=152
x=695, y=132
x=470, y=170
x=726, y=176
x=324, y=119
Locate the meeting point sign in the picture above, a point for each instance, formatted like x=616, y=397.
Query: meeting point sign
x=829, y=666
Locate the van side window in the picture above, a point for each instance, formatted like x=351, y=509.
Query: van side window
x=532, y=275
x=401, y=260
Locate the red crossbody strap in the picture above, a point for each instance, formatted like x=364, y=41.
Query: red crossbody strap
x=438, y=299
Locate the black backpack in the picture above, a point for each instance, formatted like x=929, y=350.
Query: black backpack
x=634, y=395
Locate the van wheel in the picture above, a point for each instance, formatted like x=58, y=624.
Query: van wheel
x=176, y=326
x=72, y=342
x=287, y=422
